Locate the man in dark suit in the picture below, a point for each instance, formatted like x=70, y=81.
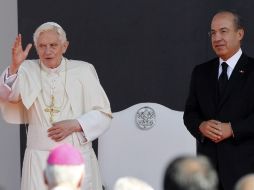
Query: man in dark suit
x=219, y=111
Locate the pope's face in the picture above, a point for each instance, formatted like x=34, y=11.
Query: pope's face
x=50, y=48
x=225, y=36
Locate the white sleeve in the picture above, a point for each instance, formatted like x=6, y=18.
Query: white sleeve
x=94, y=124
x=9, y=79
x=6, y=83
x=9, y=90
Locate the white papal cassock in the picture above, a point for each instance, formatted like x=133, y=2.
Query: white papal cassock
x=78, y=95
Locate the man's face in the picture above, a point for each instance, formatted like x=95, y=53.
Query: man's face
x=225, y=37
x=50, y=49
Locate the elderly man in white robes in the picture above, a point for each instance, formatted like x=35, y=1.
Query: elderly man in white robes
x=62, y=100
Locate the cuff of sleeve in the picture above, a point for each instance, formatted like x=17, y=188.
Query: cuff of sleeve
x=94, y=124
x=233, y=135
x=7, y=73
x=82, y=138
x=85, y=121
x=9, y=79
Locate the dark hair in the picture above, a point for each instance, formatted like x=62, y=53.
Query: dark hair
x=238, y=21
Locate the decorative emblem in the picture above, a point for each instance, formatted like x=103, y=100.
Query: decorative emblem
x=145, y=118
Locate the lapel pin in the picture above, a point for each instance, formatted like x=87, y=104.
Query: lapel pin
x=241, y=71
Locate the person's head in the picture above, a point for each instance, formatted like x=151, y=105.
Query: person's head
x=51, y=43
x=131, y=183
x=190, y=173
x=226, y=33
x=245, y=183
x=65, y=168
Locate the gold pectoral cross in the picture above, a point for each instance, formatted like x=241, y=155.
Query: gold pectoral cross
x=52, y=109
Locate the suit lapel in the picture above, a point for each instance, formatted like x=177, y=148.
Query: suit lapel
x=214, y=81
x=235, y=80
x=209, y=82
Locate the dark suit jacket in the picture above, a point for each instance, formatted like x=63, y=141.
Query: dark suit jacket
x=232, y=157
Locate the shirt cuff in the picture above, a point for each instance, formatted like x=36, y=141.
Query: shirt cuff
x=233, y=135
x=9, y=79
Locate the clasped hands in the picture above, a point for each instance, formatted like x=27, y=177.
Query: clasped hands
x=60, y=130
x=216, y=130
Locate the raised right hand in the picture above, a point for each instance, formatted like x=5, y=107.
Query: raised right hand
x=18, y=54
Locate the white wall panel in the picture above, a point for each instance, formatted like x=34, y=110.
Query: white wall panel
x=9, y=134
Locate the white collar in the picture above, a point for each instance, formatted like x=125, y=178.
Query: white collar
x=233, y=60
x=58, y=69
